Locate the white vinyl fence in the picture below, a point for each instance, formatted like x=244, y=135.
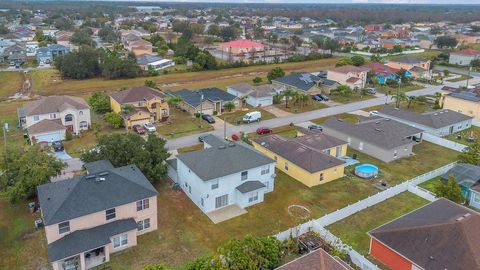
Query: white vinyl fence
x=319, y=224
x=443, y=142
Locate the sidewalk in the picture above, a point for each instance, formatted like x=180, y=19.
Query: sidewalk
x=276, y=111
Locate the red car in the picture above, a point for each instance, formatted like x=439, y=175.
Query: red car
x=138, y=129
x=264, y=130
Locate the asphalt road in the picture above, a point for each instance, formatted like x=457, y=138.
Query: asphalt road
x=302, y=117
x=457, y=70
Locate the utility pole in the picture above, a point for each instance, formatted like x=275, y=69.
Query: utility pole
x=397, y=102
x=469, y=70
x=225, y=127
x=201, y=101
x=5, y=130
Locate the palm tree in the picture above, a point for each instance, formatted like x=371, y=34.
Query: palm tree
x=303, y=99
x=402, y=97
x=411, y=101
x=229, y=106
x=288, y=93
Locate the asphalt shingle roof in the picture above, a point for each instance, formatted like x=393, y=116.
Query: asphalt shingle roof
x=440, y=235
x=45, y=125
x=249, y=186
x=98, y=166
x=61, y=200
x=53, y=104
x=316, y=260
x=465, y=174
x=435, y=119
x=218, y=161
x=136, y=94
x=211, y=94
x=302, y=81
x=86, y=240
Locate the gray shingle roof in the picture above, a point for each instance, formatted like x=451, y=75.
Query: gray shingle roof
x=86, y=240
x=136, y=94
x=145, y=59
x=250, y=186
x=467, y=95
x=98, y=166
x=53, y=104
x=381, y=132
x=84, y=195
x=465, y=174
x=409, y=60
x=316, y=260
x=224, y=160
x=45, y=125
x=211, y=94
x=435, y=119
x=302, y=81
x=266, y=90
x=440, y=235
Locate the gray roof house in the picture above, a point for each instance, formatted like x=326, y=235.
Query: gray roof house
x=439, y=123
x=306, y=82
x=468, y=178
x=382, y=138
x=47, y=54
x=225, y=174
x=207, y=100
x=88, y=217
x=256, y=96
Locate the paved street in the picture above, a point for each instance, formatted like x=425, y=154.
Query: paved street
x=457, y=70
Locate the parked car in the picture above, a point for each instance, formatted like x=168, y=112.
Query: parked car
x=138, y=129
x=208, y=118
x=315, y=127
x=371, y=90
x=373, y=113
x=324, y=97
x=149, y=127
x=58, y=146
x=201, y=138
x=430, y=100
x=236, y=137
x=252, y=117
x=317, y=98
x=264, y=130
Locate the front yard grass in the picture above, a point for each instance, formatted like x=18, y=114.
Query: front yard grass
x=353, y=97
x=463, y=136
x=348, y=117
x=353, y=229
x=392, y=90
x=235, y=117
x=428, y=156
x=11, y=82
x=298, y=108
x=182, y=124
x=284, y=131
x=461, y=78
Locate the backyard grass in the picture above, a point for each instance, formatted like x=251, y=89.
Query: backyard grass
x=414, y=107
x=48, y=82
x=428, y=156
x=181, y=124
x=10, y=83
x=429, y=54
x=355, y=96
x=235, y=117
x=353, y=229
x=297, y=108
x=463, y=136
x=8, y=113
x=430, y=184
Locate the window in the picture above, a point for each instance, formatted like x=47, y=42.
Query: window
x=286, y=166
x=120, y=241
x=395, y=153
x=53, y=115
x=244, y=175
x=476, y=198
x=68, y=117
x=80, y=112
x=36, y=118
x=327, y=152
x=143, y=224
x=321, y=176
x=154, y=105
x=265, y=170
x=253, y=197
x=215, y=185
x=83, y=124
x=64, y=227
x=338, y=152
x=110, y=214
x=143, y=204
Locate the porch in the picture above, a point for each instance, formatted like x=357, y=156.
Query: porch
x=226, y=213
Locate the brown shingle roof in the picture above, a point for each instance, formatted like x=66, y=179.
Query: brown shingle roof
x=137, y=94
x=349, y=68
x=316, y=260
x=45, y=125
x=53, y=104
x=440, y=235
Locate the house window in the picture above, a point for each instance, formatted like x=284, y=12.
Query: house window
x=286, y=166
x=154, y=105
x=321, y=176
x=83, y=124
x=110, y=214
x=68, y=117
x=143, y=204
x=244, y=175
x=338, y=151
x=120, y=241
x=215, y=185
x=327, y=152
x=143, y=224
x=253, y=197
x=265, y=170
x=53, y=115
x=80, y=112
x=476, y=198
x=64, y=227
x=395, y=153
x=36, y=118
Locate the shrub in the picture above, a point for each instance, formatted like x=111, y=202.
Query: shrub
x=113, y=119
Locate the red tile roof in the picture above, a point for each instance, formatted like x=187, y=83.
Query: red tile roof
x=467, y=52
x=381, y=68
x=243, y=43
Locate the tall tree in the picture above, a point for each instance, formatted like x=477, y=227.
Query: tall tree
x=449, y=190
x=276, y=72
x=100, y=102
x=471, y=155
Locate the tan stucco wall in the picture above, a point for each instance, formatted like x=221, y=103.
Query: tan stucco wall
x=466, y=107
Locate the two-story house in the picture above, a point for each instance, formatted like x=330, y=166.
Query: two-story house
x=48, y=118
x=419, y=67
x=463, y=57
x=225, y=174
x=352, y=76
x=150, y=105
x=87, y=218
x=47, y=54
x=206, y=100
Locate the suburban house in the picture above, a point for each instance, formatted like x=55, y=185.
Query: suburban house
x=207, y=101
x=463, y=101
x=468, y=178
x=89, y=217
x=439, y=235
x=156, y=62
x=150, y=105
x=14, y=55
x=256, y=96
x=352, y=76
x=381, y=138
x=312, y=159
x=305, y=82
x=316, y=260
x=419, y=67
x=225, y=174
x=439, y=123
x=241, y=46
x=464, y=57
x=139, y=46
x=48, y=118
x=47, y=54
x=384, y=73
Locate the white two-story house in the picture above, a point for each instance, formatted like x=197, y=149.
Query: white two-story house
x=225, y=174
x=89, y=217
x=48, y=118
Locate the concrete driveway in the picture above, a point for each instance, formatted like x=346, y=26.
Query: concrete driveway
x=62, y=155
x=276, y=111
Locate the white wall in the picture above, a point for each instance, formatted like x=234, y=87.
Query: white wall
x=77, y=118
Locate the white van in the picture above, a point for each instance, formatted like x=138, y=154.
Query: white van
x=252, y=117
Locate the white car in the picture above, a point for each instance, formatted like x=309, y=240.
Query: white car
x=149, y=127
x=373, y=113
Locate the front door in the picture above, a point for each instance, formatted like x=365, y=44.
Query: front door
x=451, y=130
x=221, y=201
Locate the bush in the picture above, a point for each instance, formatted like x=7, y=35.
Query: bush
x=215, y=112
x=257, y=80
x=197, y=115
x=100, y=102
x=150, y=83
x=68, y=135
x=276, y=72
x=113, y=119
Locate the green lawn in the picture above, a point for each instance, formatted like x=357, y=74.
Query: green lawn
x=430, y=184
x=463, y=136
x=181, y=124
x=298, y=108
x=235, y=117
x=8, y=112
x=461, y=78
x=353, y=229
x=355, y=96
x=348, y=117
x=10, y=83
x=392, y=90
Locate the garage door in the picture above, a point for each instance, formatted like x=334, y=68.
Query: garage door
x=50, y=137
x=207, y=111
x=140, y=122
x=265, y=102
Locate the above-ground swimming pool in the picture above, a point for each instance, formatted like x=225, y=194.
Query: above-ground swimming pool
x=366, y=171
